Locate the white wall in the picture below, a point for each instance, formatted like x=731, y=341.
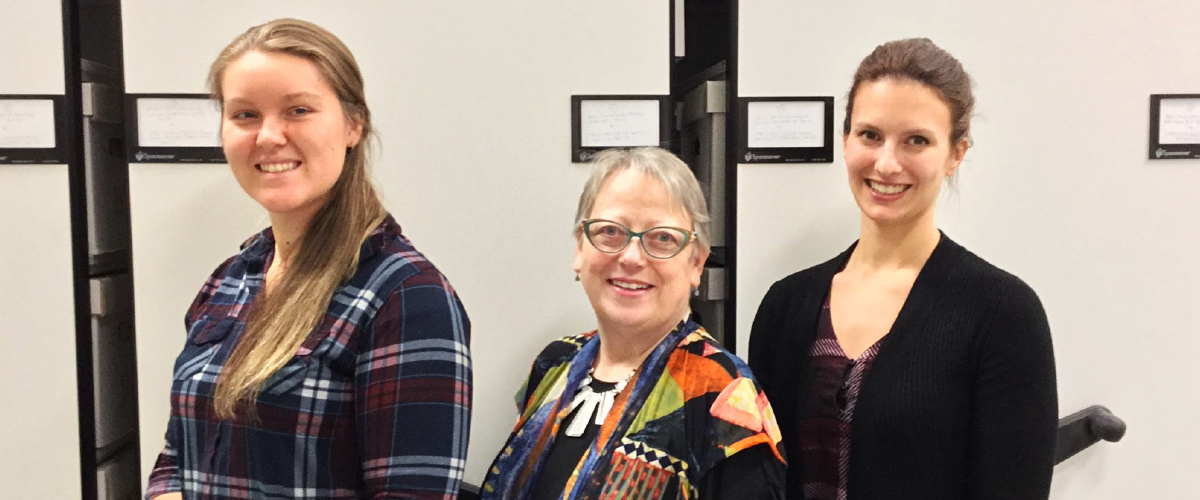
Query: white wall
x=39, y=406
x=1057, y=190
x=473, y=107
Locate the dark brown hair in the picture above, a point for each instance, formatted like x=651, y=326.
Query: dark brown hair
x=919, y=60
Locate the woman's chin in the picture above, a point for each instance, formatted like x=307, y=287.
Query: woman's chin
x=882, y=215
x=624, y=319
x=282, y=206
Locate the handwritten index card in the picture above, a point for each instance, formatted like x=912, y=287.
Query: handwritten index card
x=27, y=123
x=785, y=124
x=1179, y=121
x=618, y=123
x=178, y=122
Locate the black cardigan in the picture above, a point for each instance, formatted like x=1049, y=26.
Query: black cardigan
x=960, y=402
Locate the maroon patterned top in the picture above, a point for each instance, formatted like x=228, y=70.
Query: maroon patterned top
x=825, y=423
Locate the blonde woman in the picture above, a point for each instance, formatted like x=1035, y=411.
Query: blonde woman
x=328, y=358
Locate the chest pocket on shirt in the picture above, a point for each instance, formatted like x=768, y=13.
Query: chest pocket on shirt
x=290, y=377
x=204, y=340
x=207, y=337
x=286, y=379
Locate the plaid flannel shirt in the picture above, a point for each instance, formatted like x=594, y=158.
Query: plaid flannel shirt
x=375, y=404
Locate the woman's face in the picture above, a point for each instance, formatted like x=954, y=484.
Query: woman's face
x=284, y=132
x=630, y=290
x=898, y=150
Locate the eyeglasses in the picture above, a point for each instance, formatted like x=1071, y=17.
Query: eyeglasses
x=661, y=242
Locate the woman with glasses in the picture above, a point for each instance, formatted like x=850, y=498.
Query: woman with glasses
x=647, y=406
x=907, y=366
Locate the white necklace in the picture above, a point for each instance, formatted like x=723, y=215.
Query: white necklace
x=591, y=401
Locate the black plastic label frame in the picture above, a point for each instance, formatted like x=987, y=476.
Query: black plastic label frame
x=747, y=154
x=581, y=154
x=138, y=154
x=56, y=155
x=1160, y=151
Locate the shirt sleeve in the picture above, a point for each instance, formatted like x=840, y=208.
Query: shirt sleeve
x=747, y=461
x=413, y=387
x=752, y=474
x=1014, y=420
x=165, y=477
x=764, y=339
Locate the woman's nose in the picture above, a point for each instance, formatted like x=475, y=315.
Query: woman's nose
x=887, y=162
x=271, y=133
x=633, y=254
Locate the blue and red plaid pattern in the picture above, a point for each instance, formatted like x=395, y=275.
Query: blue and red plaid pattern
x=375, y=404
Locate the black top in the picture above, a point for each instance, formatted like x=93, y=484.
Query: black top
x=742, y=476
x=962, y=402
x=565, y=453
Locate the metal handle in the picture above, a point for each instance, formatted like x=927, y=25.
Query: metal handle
x=1105, y=425
x=468, y=491
x=1082, y=429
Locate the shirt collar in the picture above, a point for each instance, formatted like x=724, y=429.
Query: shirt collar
x=257, y=248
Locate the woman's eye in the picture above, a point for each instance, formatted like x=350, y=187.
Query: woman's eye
x=301, y=110
x=664, y=236
x=918, y=140
x=609, y=231
x=869, y=135
x=243, y=115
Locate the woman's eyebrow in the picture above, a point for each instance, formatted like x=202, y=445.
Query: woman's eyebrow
x=300, y=95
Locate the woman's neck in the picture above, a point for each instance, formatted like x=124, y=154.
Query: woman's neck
x=895, y=246
x=622, y=350
x=287, y=232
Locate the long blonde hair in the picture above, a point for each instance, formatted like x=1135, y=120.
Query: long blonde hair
x=281, y=319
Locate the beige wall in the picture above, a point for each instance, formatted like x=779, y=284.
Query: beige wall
x=472, y=104
x=39, y=405
x=39, y=408
x=1057, y=190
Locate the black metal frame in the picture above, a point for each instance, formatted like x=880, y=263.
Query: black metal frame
x=71, y=145
x=732, y=116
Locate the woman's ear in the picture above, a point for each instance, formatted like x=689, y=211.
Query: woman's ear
x=696, y=269
x=354, y=133
x=957, y=153
x=578, y=254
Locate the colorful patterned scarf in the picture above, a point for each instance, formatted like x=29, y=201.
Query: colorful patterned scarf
x=690, y=405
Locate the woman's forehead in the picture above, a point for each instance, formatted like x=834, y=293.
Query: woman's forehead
x=900, y=100
x=643, y=201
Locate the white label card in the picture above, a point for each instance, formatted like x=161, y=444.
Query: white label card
x=27, y=123
x=606, y=124
x=178, y=122
x=785, y=124
x=1179, y=121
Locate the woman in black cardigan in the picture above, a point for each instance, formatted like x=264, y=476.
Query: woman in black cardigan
x=907, y=367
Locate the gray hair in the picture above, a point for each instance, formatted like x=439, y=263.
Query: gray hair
x=682, y=187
